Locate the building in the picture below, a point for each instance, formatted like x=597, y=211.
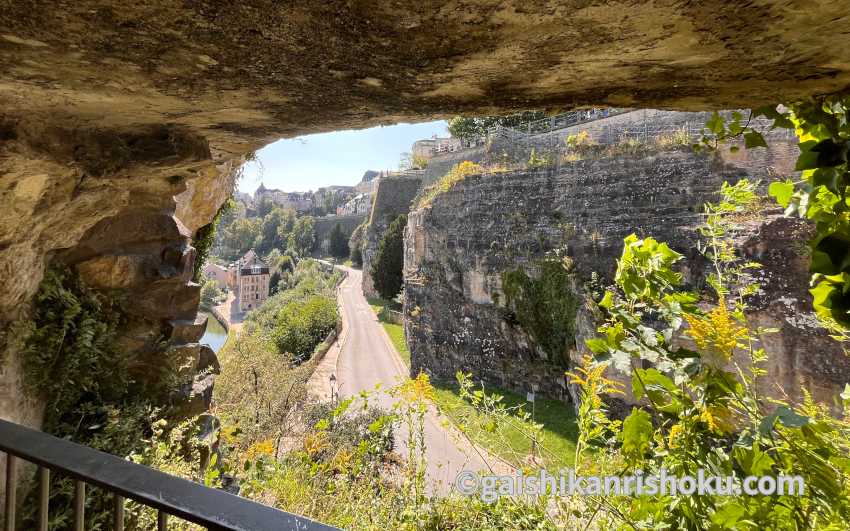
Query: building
x=328, y=198
x=248, y=278
x=433, y=146
x=216, y=272
x=359, y=204
x=298, y=201
x=369, y=182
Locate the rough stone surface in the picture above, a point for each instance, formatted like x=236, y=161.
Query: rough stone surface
x=457, y=249
x=106, y=203
x=392, y=199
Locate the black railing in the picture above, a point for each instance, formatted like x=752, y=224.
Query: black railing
x=169, y=495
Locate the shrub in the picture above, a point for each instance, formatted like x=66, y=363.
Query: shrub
x=300, y=327
x=701, y=404
x=368, y=427
x=387, y=268
x=210, y=294
x=69, y=358
x=536, y=160
x=68, y=345
x=458, y=173
x=257, y=388
x=356, y=257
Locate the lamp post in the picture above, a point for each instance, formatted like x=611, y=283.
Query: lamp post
x=333, y=387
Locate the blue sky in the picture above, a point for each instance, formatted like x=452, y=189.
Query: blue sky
x=309, y=162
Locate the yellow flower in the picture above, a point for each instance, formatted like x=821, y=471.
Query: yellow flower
x=717, y=332
x=342, y=459
x=260, y=448
x=718, y=419
x=417, y=390
x=674, y=435
x=589, y=376
x=314, y=443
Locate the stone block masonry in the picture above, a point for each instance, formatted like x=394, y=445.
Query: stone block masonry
x=458, y=249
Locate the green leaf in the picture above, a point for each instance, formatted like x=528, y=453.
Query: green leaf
x=779, y=119
x=845, y=395
x=715, y=124
x=786, y=416
x=728, y=515
x=597, y=345
x=754, y=139
x=637, y=432
x=607, y=301
x=807, y=160
x=781, y=191
x=754, y=461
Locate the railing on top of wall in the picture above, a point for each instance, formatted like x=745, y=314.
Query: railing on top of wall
x=169, y=495
x=554, y=123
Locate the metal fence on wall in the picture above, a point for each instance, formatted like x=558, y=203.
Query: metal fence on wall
x=548, y=138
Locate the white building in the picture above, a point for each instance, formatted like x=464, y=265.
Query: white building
x=359, y=204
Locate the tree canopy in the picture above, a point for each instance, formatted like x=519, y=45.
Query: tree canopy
x=387, y=267
x=468, y=128
x=338, y=242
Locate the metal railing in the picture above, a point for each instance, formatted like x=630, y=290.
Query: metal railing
x=169, y=495
x=554, y=123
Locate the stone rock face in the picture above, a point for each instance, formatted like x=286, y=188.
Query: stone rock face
x=458, y=248
x=392, y=199
x=104, y=202
x=802, y=355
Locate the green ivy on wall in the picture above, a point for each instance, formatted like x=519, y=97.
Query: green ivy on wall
x=205, y=238
x=545, y=307
x=68, y=344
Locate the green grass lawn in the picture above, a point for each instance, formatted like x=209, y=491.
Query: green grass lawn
x=507, y=440
x=395, y=331
x=558, y=438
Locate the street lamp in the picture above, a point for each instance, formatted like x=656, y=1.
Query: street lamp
x=333, y=387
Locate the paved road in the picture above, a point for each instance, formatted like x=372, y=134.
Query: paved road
x=364, y=357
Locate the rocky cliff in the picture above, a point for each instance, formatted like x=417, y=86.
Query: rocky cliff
x=473, y=246
x=392, y=198
x=122, y=210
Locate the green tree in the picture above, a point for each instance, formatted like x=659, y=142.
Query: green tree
x=387, y=273
x=264, y=208
x=302, y=237
x=355, y=244
x=274, y=281
x=204, y=239
x=301, y=326
x=356, y=257
x=338, y=242
x=469, y=128
x=240, y=236
x=274, y=230
x=210, y=294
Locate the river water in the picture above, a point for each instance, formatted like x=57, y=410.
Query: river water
x=216, y=335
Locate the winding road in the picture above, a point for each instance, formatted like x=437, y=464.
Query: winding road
x=364, y=357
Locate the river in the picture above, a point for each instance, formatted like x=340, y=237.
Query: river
x=216, y=335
